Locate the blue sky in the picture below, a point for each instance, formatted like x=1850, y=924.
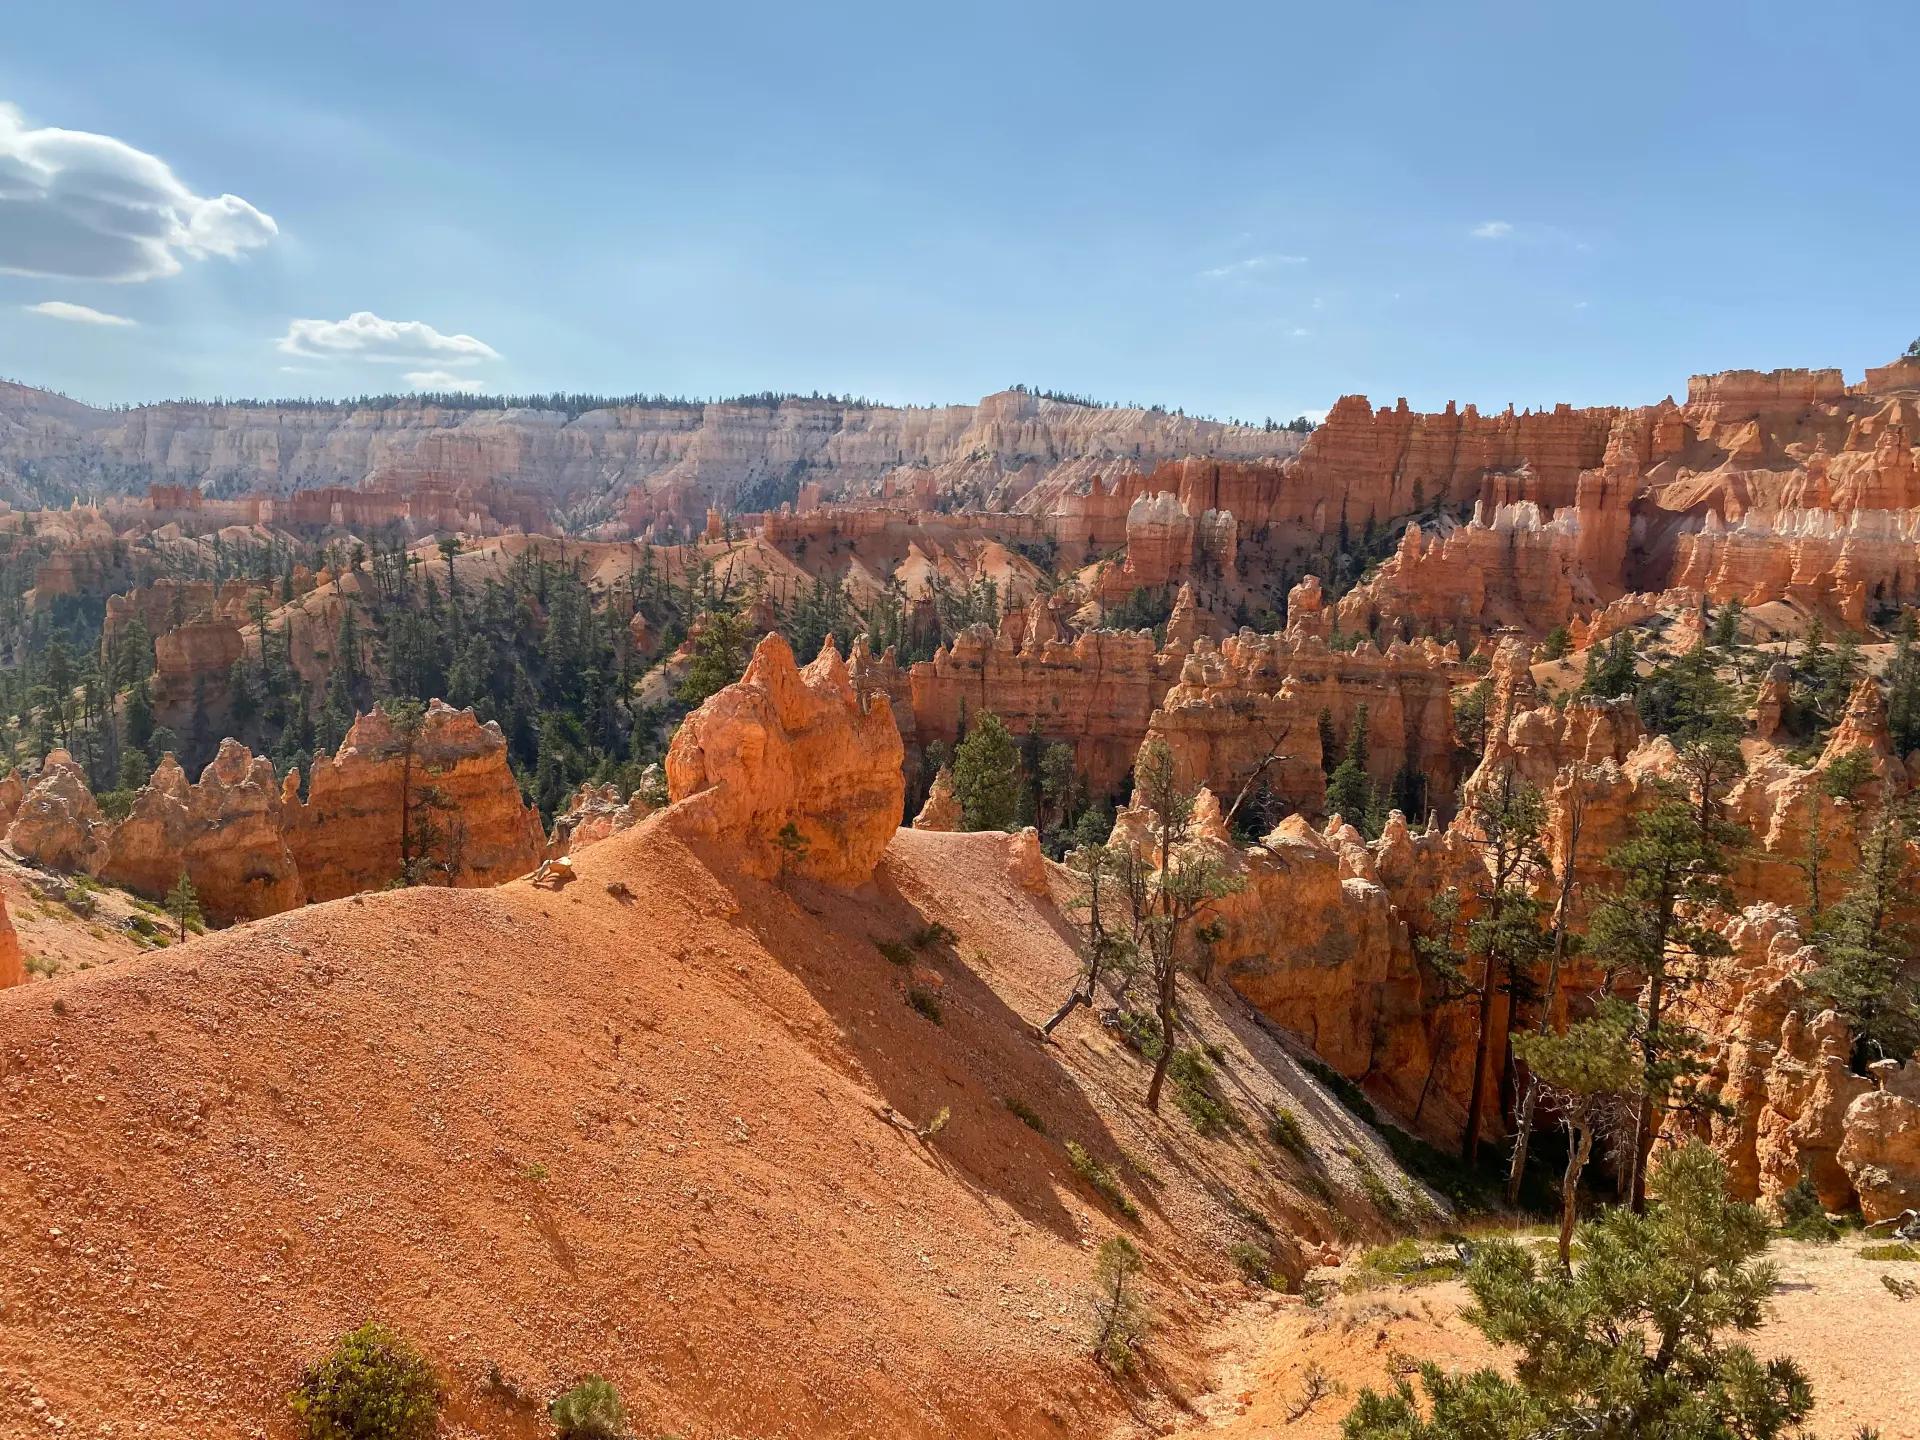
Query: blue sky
x=1239, y=209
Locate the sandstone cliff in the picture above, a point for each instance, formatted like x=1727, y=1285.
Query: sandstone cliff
x=790, y=770
x=252, y=848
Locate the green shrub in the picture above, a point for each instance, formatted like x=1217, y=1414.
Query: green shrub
x=1140, y=1033
x=926, y=1003
x=1026, y=1114
x=1381, y=1195
x=374, y=1386
x=1344, y=1090
x=1404, y=1262
x=1896, y=1251
x=1253, y=1262
x=591, y=1410
x=898, y=953
x=1803, y=1217
x=1197, y=1093
x=1284, y=1130
x=1101, y=1179
x=931, y=934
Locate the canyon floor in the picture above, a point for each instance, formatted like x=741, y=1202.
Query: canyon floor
x=1853, y=1337
x=658, y=1125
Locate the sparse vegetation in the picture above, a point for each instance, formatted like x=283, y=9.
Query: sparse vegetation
x=1197, y=1092
x=1284, y=1130
x=1803, y=1217
x=1897, y=1251
x=1101, y=1179
x=1254, y=1262
x=374, y=1386
x=1025, y=1114
x=590, y=1410
x=895, y=951
x=1406, y=1262
x=926, y=1004
x=1119, y=1314
x=931, y=936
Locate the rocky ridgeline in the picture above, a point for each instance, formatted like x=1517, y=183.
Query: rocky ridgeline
x=252, y=847
x=1320, y=938
x=635, y=463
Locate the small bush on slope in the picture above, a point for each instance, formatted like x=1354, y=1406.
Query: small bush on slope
x=591, y=1410
x=374, y=1386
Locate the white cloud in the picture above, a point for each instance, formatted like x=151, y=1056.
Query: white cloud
x=1492, y=230
x=1299, y=332
x=79, y=206
x=1251, y=265
x=1318, y=417
x=444, y=380
x=363, y=335
x=1579, y=304
x=79, y=314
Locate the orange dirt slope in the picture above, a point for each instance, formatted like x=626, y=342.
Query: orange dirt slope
x=635, y=1127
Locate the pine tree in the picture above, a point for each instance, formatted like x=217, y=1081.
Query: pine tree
x=1611, y=669
x=183, y=904
x=1903, y=689
x=1182, y=883
x=1350, y=791
x=1507, y=934
x=719, y=657
x=1658, y=923
x=986, y=776
x=1592, y=1064
x=1119, y=1317
x=1865, y=971
x=1629, y=1344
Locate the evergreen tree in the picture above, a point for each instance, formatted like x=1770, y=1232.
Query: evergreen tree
x=719, y=657
x=1593, y=1063
x=1350, y=791
x=183, y=904
x=1182, y=883
x=1866, y=971
x=986, y=776
x=1903, y=689
x=1611, y=669
x=1507, y=934
x=1658, y=923
x=1630, y=1344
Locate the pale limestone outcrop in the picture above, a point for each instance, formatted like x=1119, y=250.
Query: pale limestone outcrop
x=593, y=813
x=942, y=810
x=784, y=747
x=57, y=824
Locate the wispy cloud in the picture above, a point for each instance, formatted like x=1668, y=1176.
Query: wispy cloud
x=444, y=380
x=78, y=314
x=1299, y=332
x=1492, y=230
x=1251, y=265
x=363, y=335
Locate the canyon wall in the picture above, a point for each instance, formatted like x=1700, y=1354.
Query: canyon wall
x=627, y=463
